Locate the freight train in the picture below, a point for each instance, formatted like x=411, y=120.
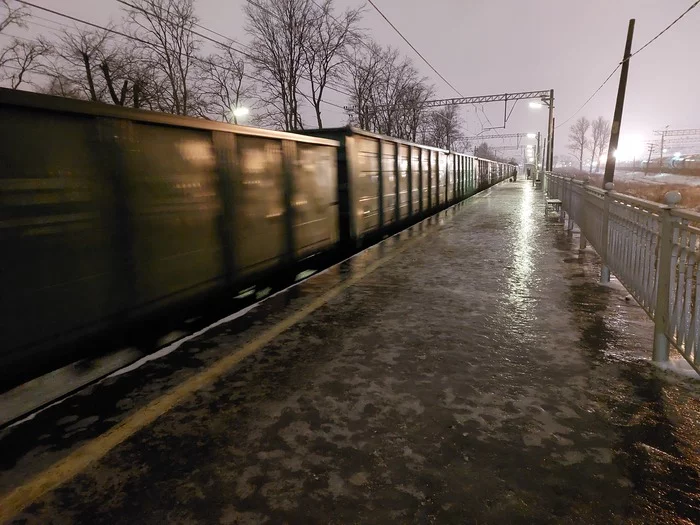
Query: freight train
x=109, y=215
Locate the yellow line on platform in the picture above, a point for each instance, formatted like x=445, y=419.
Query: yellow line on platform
x=62, y=471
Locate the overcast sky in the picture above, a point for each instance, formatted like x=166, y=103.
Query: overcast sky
x=496, y=46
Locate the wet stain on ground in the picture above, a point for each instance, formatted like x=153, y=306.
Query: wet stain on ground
x=480, y=377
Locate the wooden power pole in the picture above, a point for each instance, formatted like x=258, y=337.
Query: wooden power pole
x=619, y=105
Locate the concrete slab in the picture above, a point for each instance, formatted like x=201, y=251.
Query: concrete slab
x=470, y=372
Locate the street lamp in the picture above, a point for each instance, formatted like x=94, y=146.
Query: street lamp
x=240, y=112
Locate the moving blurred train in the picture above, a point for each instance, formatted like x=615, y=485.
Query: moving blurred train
x=110, y=215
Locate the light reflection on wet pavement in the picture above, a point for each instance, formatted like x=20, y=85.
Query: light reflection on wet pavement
x=482, y=376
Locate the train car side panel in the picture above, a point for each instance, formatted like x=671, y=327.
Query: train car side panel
x=259, y=204
x=388, y=173
x=366, y=184
x=314, y=201
x=174, y=203
x=434, y=179
x=58, y=228
x=416, y=192
x=425, y=178
x=403, y=178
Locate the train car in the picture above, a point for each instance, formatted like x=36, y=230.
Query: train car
x=386, y=183
x=109, y=214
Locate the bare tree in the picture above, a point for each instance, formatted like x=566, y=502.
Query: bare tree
x=325, y=49
x=445, y=127
x=412, y=101
x=94, y=65
x=224, y=87
x=388, y=93
x=363, y=70
x=21, y=59
x=578, y=139
x=484, y=151
x=600, y=128
x=77, y=56
x=61, y=87
x=168, y=48
x=462, y=145
x=281, y=31
x=12, y=13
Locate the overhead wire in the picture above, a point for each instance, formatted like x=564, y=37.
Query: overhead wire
x=589, y=98
x=142, y=41
x=692, y=6
x=413, y=47
x=245, y=53
x=426, y=61
x=669, y=26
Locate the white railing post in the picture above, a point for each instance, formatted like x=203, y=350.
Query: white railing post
x=605, y=269
x=570, y=206
x=583, y=218
x=667, y=225
x=562, y=198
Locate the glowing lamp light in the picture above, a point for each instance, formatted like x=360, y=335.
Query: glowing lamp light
x=631, y=147
x=677, y=155
x=240, y=112
x=535, y=105
x=532, y=136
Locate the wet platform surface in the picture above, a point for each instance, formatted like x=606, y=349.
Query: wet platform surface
x=469, y=371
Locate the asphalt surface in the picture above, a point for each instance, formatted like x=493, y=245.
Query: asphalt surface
x=470, y=371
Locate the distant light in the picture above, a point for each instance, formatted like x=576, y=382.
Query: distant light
x=665, y=150
x=240, y=112
x=677, y=154
x=535, y=105
x=532, y=136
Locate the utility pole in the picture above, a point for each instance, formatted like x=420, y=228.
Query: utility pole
x=550, y=133
x=551, y=146
x=537, y=157
x=619, y=105
x=651, y=149
x=661, y=153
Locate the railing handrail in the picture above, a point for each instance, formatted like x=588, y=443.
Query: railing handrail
x=652, y=248
x=688, y=215
x=643, y=204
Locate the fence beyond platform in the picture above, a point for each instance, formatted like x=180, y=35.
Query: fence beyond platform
x=649, y=247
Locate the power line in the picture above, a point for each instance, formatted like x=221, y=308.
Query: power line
x=591, y=97
x=368, y=47
x=693, y=6
x=414, y=49
x=245, y=53
x=145, y=42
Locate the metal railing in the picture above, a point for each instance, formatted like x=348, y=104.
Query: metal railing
x=650, y=247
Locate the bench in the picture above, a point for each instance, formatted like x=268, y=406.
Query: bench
x=554, y=203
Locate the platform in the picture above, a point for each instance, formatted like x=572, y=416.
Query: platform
x=470, y=370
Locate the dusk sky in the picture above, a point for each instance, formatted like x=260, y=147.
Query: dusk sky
x=492, y=46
